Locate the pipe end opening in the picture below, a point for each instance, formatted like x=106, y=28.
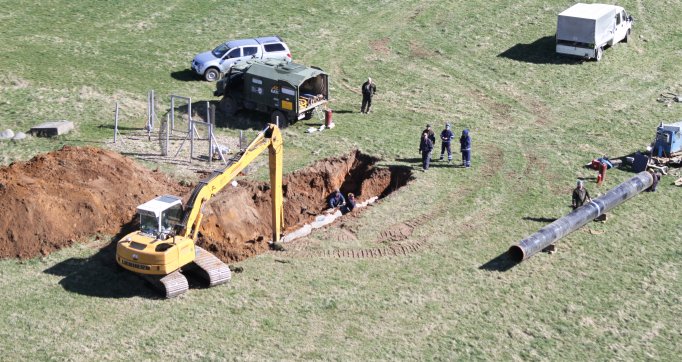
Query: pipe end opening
x=516, y=253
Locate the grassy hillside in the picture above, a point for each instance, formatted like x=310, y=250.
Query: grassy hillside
x=535, y=118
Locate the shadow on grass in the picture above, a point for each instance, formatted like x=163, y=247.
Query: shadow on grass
x=541, y=51
x=501, y=263
x=417, y=162
x=344, y=111
x=100, y=276
x=540, y=219
x=185, y=75
x=121, y=128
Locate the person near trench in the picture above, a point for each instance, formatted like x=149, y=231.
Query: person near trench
x=336, y=199
x=368, y=91
x=425, y=147
x=446, y=137
x=350, y=204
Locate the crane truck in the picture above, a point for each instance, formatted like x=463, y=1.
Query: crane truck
x=165, y=244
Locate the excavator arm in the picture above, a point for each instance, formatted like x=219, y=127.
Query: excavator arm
x=270, y=138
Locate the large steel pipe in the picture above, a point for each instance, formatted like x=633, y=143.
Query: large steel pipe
x=549, y=234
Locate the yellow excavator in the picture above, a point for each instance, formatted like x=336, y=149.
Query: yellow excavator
x=165, y=244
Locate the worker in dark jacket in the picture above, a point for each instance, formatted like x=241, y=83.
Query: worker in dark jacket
x=336, y=199
x=465, y=147
x=580, y=195
x=446, y=136
x=368, y=90
x=425, y=147
x=432, y=135
x=350, y=204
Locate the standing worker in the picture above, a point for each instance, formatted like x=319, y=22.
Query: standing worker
x=368, y=90
x=429, y=131
x=425, y=147
x=446, y=136
x=465, y=147
x=580, y=195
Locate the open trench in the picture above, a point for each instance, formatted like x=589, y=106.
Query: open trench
x=237, y=222
x=61, y=197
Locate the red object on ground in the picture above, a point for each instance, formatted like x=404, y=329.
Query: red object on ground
x=328, y=117
x=602, y=173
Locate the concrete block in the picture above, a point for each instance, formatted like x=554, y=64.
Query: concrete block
x=51, y=129
x=6, y=134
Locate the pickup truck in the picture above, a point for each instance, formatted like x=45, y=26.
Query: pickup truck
x=213, y=64
x=286, y=91
x=584, y=30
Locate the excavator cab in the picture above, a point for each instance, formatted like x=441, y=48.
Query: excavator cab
x=158, y=217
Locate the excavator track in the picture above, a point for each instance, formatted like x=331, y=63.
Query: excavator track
x=171, y=285
x=211, y=268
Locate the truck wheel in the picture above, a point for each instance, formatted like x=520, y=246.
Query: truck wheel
x=228, y=106
x=283, y=121
x=627, y=36
x=211, y=75
x=600, y=51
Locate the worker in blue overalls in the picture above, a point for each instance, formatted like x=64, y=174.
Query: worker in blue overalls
x=465, y=147
x=446, y=137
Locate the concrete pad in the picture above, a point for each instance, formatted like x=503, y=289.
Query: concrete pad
x=6, y=134
x=51, y=129
x=19, y=136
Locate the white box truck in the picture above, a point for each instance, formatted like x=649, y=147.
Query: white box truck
x=584, y=30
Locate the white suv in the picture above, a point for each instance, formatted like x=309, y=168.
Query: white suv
x=213, y=64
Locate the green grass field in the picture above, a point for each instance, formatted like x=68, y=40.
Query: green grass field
x=535, y=119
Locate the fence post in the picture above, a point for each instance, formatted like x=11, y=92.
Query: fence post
x=168, y=129
x=210, y=144
x=191, y=140
x=116, y=123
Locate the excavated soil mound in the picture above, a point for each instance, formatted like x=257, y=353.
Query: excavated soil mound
x=237, y=222
x=57, y=198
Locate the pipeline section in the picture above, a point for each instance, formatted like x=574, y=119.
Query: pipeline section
x=549, y=234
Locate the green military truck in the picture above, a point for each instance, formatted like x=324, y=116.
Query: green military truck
x=286, y=91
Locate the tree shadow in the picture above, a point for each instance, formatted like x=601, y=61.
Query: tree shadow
x=540, y=219
x=100, y=276
x=185, y=75
x=500, y=263
x=541, y=51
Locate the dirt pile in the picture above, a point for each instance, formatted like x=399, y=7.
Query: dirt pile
x=57, y=198
x=237, y=222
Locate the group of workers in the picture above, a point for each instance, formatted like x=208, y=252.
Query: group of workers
x=428, y=140
x=336, y=200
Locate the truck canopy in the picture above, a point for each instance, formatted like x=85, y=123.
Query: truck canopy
x=292, y=73
x=587, y=23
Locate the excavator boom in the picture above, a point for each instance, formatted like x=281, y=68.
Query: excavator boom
x=165, y=244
